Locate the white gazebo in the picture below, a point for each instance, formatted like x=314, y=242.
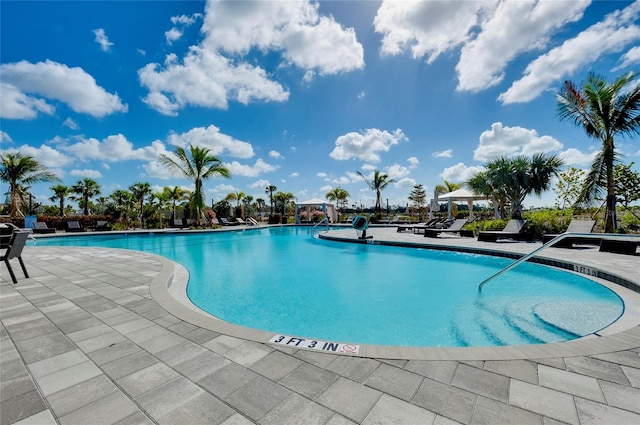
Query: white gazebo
x=328, y=209
x=461, y=195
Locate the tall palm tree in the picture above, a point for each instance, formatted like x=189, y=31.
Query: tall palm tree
x=22, y=171
x=175, y=194
x=60, y=193
x=140, y=191
x=339, y=195
x=512, y=179
x=85, y=189
x=378, y=184
x=604, y=110
x=270, y=189
x=198, y=165
x=123, y=201
x=282, y=199
x=447, y=187
x=260, y=204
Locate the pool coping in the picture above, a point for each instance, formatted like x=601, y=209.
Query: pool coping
x=168, y=289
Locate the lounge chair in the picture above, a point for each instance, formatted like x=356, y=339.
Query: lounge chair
x=225, y=222
x=575, y=226
x=41, y=227
x=513, y=230
x=16, y=244
x=74, y=226
x=239, y=220
x=455, y=227
x=102, y=226
x=177, y=223
x=419, y=226
x=619, y=246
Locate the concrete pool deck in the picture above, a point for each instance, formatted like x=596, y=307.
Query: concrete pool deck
x=84, y=341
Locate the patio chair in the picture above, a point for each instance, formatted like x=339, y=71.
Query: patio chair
x=575, y=226
x=74, y=226
x=455, y=227
x=16, y=244
x=513, y=230
x=102, y=226
x=41, y=227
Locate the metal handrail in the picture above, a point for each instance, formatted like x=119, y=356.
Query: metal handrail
x=553, y=242
x=325, y=221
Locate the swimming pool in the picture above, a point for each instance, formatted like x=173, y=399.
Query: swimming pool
x=284, y=281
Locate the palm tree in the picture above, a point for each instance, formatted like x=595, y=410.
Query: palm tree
x=197, y=165
x=447, y=187
x=261, y=204
x=270, y=189
x=282, y=199
x=139, y=191
x=604, y=110
x=378, y=184
x=123, y=201
x=20, y=172
x=512, y=179
x=86, y=189
x=340, y=195
x=60, y=192
x=175, y=194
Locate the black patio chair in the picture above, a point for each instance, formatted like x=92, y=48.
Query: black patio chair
x=17, y=243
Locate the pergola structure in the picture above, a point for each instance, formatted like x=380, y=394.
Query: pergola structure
x=328, y=209
x=461, y=195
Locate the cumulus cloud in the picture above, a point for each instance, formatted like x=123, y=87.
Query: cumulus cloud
x=211, y=138
x=259, y=167
x=113, y=148
x=321, y=175
x=180, y=22
x=93, y=174
x=610, y=35
x=102, y=39
x=448, y=153
x=427, y=28
x=345, y=180
x=260, y=184
x=405, y=183
x=294, y=174
x=413, y=162
x=26, y=85
x=214, y=72
x=460, y=173
x=510, y=141
x=275, y=154
x=514, y=27
x=45, y=155
x=366, y=146
x=575, y=157
x=397, y=171
x=69, y=122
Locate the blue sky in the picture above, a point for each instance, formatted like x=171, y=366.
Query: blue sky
x=302, y=95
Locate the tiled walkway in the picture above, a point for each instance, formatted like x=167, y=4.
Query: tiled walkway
x=83, y=342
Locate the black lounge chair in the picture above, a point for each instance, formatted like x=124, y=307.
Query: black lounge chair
x=619, y=246
x=513, y=230
x=575, y=226
x=74, y=226
x=41, y=227
x=16, y=244
x=456, y=227
x=102, y=226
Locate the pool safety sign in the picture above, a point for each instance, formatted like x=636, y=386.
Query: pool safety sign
x=332, y=347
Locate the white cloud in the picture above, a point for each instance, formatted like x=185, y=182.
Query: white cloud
x=45, y=155
x=223, y=187
x=275, y=154
x=368, y=167
x=344, y=180
x=69, y=122
x=366, y=146
x=321, y=175
x=4, y=137
x=427, y=28
x=513, y=28
x=15, y=104
x=260, y=184
x=630, y=58
x=296, y=29
x=22, y=81
x=610, y=35
x=206, y=77
x=294, y=174
x=211, y=138
x=362, y=94
x=575, y=157
x=102, y=39
x=326, y=188
x=113, y=148
x=413, y=162
x=448, y=153
x=93, y=174
x=510, y=141
x=172, y=35
x=405, y=183
x=259, y=167
x=397, y=171
x=460, y=173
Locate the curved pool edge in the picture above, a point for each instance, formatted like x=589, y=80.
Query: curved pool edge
x=168, y=289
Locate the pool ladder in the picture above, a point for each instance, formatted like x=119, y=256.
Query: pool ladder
x=553, y=242
x=324, y=221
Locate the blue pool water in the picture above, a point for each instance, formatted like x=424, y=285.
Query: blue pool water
x=285, y=281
